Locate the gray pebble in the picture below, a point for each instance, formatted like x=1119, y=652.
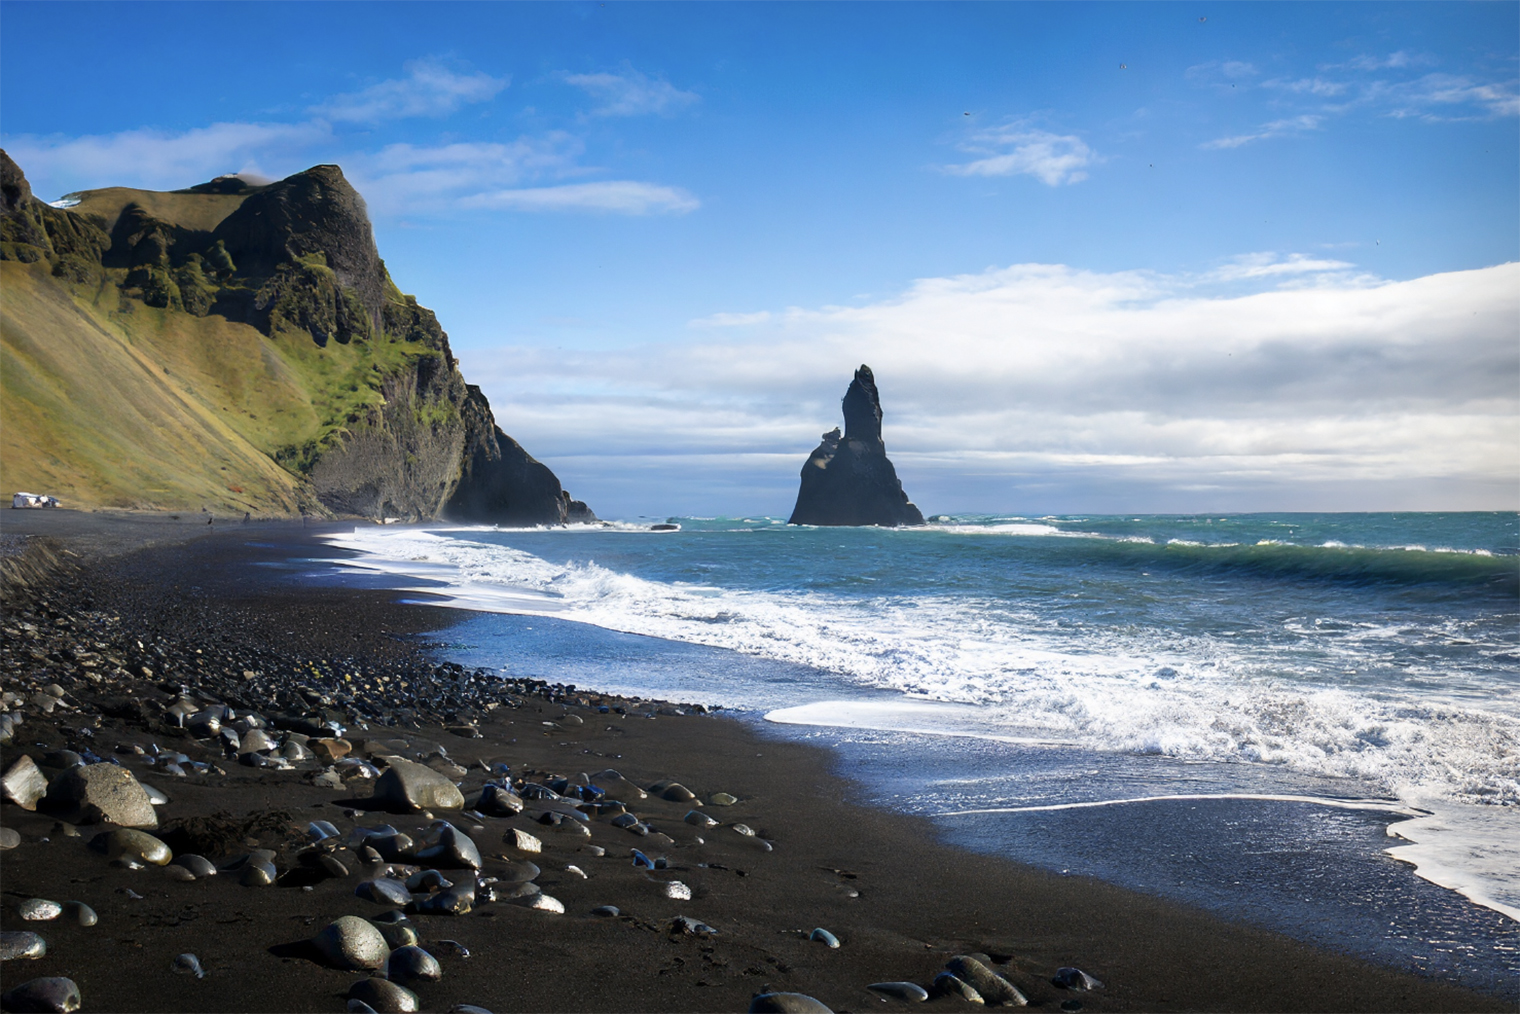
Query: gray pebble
x=39, y=910
x=410, y=963
x=200, y=866
x=467, y=1008
x=427, y=880
x=332, y=866
x=9, y=838
x=81, y=913
x=686, y=924
x=606, y=911
x=350, y=942
x=900, y=990
x=1076, y=979
x=188, y=964
x=359, y=1007
x=948, y=984
x=384, y=891
x=398, y=935
x=721, y=799
x=994, y=988
x=384, y=997
x=823, y=936
x=258, y=873
x=787, y=1003
x=451, y=848
x=138, y=846
x=54, y=994
x=16, y=944
x=697, y=818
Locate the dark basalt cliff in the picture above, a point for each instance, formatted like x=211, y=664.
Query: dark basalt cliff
x=348, y=389
x=848, y=480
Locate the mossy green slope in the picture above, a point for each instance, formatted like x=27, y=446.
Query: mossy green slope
x=237, y=348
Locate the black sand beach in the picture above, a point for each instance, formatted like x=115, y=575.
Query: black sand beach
x=189, y=602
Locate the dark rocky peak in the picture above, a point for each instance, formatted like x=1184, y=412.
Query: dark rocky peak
x=14, y=189
x=312, y=212
x=862, y=408
x=232, y=183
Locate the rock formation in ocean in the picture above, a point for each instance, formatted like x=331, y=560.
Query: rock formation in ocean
x=849, y=480
x=241, y=347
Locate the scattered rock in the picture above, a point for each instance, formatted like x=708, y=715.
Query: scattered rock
x=100, y=793
x=188, y=964
x=823, y=936
x=124, y=843
x=721, y=799
x=350, y=942
x=948, y=984
x=198, y=866
x=451, y=848
x=676, y=793
x=23, y=783
x=496, y=801
x=81, y=913
x=384, y=891
x=900, y=990
x=522, y=841
x=410, y=963
x=9, y=838
x=787, y=1003
x=687, y=925
x=384, y=997
x=408, y=787
x=18, y=944
x=606, y=911
x=1075, y=979
x=54, y=994
x=39, y=910
x=697, y=818
x=993, y=987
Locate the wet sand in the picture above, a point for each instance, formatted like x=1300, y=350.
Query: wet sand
x=900, y=903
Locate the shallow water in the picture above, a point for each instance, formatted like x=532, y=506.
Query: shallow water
x=1009, y=663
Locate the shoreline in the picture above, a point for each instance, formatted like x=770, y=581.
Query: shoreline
x=919, y=903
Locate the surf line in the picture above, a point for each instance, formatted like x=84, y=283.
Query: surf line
x=1382, y=805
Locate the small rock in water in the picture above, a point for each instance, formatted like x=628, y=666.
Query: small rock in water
x=189, y=964
x=823, y=936
x=9, y=838
x=39, y=910
x=410, y=963
x=81, y=913
x=948, y=984
x=993, y=987
x=900, y=990
x=123, y=843
x=350, y=942
x=721, y=799
x=787, y=1003
x=522, y=841
x=54, y=994
x=16, y=944
x=1074, y=979
x=384, y=997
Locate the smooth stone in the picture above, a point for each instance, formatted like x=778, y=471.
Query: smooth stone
x=155, y=796
x=39, y=910
x=258, y=873
x=179, y=873
x=787, y=1003
x=200, y=866
x=900, y=990
x=9, y=838
x=686, y=924
x=100, y=793
x=330, y=749
x=522, y=841
x=677, y=793
x=453, y=947
x=823, y=936
x=16, y=944
x=81, y=913
x=384, y=997
x=456, y=900
x=452, y=849
x=350, y=942
x=467, y=1008
x=618, y=787
x=947, y=984
x=721, y=799
x=255, y=740
x=677, y=891
x=1075, y=979
x=496, y=801
x=328, y=780
x=359, y=1007
x=541, y=902
x=398, y=934
x=427, y=880
x=384, y=891
x=188, y=964
x=410, y=787
x=294, y=752
x=411, y=963
x=24, y=783
x=697, y=818
x=331, y=866
x=55, y=994
x=395, y=845
x=606, y=911
x=993, y=987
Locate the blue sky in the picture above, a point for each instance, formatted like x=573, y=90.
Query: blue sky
x=1102, y=257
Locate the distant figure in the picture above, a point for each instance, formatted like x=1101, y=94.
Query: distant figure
x=247, y=517
x=209, y=519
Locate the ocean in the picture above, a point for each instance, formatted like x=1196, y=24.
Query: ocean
x=1308, y=722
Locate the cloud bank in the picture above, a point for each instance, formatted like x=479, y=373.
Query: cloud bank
x=1335, y=391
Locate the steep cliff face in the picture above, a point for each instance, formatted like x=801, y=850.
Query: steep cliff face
x=849, y=480
x=238, y=347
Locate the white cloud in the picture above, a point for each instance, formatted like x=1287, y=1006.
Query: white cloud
x=625, y=197
x=732, y=319
x=1308, y=86
x=1046, y=374
x=429, y=89
x=165, y=160
x=632, y=93
x=1221, y=74
x=1053, y=159
x=1438, y=96
x=1276, y=128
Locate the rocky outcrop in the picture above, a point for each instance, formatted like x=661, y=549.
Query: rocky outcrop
x=368, y=413
x=848, y=480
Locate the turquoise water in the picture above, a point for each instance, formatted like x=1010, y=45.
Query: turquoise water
x=1327, y=676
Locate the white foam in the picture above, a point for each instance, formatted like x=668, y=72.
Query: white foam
x=1473, y=850
x=924, y=718
x=1378, y=805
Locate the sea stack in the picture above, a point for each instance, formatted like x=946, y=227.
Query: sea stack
x=849, y=480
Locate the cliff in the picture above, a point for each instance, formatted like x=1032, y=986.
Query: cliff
x=238, y=347
x=849, y=480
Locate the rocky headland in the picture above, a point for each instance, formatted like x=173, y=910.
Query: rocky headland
x=849, y=480
x=239, y=347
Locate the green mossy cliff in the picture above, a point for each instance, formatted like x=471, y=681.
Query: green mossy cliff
x=239, y=348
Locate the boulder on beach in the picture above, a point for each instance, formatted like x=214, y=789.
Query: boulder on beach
x=848, y=480
x=100, y=793
x=409, y=787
